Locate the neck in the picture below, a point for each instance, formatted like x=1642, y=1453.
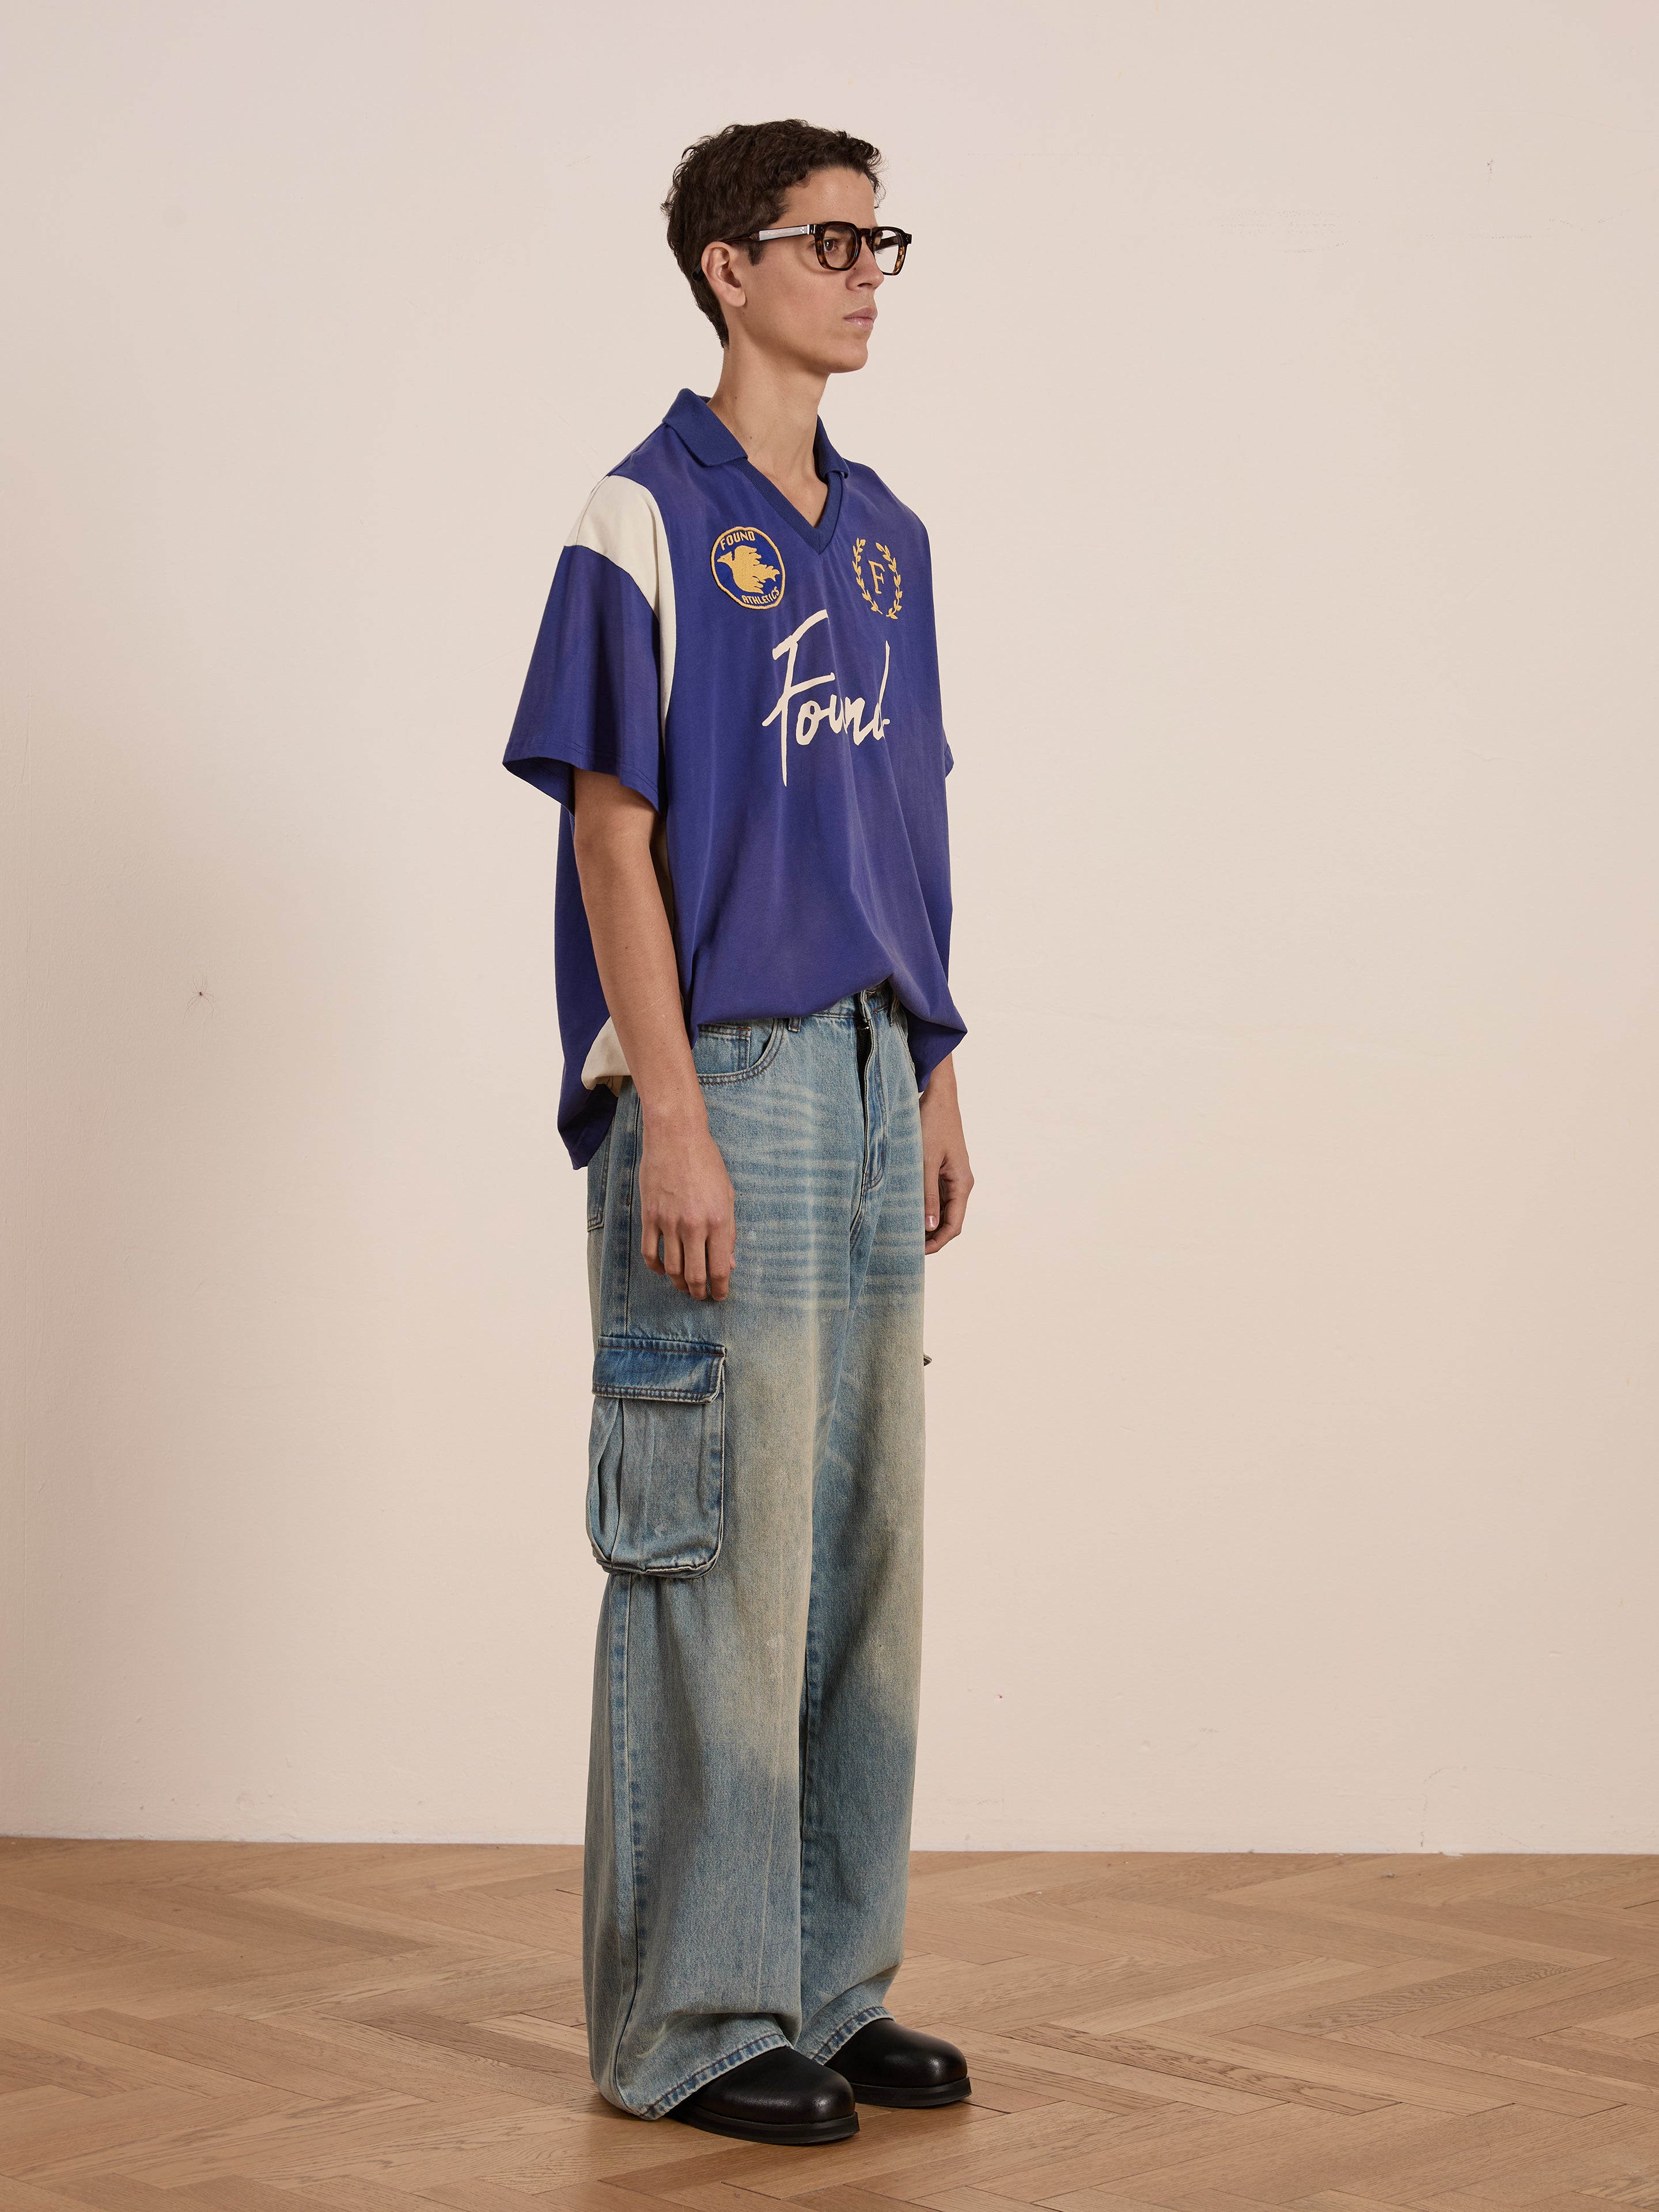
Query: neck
x=771, y=409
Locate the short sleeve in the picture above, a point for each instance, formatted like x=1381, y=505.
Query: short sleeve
x=597, y=692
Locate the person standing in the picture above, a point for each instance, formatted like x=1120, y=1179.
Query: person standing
x=734, y=697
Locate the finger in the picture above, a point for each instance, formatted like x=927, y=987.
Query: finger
x=696, y=1249
x=954, y=1190
x=651, y=1248
x=956, y=1202
x=674, y=1259
x=930, y=1206
x=722, y=1253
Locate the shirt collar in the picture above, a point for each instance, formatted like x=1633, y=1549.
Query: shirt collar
x=706, y=438
x=828, y=455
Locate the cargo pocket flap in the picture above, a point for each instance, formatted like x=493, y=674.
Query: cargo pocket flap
x=657, y=1367
x=657, y=1455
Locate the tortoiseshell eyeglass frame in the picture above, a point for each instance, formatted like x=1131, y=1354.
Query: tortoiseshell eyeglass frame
x=819, y=233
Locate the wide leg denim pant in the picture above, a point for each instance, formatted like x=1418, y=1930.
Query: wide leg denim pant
x=754, y=1493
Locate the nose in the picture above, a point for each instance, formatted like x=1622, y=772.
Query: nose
x=864, y=274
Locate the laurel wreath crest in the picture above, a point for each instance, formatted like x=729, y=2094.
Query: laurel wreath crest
x=891, y=612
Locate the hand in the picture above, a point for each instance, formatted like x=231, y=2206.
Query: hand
x=946, y=1177
x=686, y=1200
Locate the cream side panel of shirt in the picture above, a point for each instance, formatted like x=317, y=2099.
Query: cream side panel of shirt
x=623, y=522
x=607, y=1062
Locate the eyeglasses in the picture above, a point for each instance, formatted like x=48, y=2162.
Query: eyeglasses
x=839, y=244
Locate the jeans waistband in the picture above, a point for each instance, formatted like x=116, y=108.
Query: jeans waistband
x=880, y=997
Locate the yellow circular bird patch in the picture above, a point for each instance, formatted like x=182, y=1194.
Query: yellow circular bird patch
x=747, y=568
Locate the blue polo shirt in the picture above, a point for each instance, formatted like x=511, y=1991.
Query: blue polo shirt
x=773, y=690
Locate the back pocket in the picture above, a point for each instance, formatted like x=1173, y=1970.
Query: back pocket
x=656, y=1462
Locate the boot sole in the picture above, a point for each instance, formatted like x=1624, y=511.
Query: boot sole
x=947, y=2093
x=801, y=2133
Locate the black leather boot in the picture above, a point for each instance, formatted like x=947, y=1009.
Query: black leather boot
x=780, y=2096
x=887, y=2064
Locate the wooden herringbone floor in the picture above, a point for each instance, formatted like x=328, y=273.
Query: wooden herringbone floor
x=261, y=2027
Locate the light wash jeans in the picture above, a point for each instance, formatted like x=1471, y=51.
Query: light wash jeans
x=754, y=1493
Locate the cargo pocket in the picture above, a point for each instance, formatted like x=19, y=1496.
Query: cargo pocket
x=656, y=1460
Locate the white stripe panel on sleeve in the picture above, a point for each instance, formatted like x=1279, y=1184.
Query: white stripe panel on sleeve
x=623, y=521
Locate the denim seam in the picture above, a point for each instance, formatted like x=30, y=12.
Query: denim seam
x=869, y=1088
x=629, y=1188
x=849, y=2029
x=808, y=1834
x=682, y=1348
x=705, y=1347
x=596, y=1214
x=663, y=2104
x=654, y=1397
x=811, y=1685
x=669, y=1574
x=619, y=1667
x=876, y=1162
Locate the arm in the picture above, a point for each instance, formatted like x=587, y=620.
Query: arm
x=685, y=1194
x=946, y=1174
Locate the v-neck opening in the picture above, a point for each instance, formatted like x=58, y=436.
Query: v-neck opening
x=817, y=535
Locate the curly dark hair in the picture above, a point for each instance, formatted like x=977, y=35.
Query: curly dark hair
x=734, y=181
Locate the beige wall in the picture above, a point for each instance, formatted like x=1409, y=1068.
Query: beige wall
x=1277, y=382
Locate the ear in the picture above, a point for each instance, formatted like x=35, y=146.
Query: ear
x=721, y=264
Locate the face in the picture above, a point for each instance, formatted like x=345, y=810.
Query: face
x=787, y=304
